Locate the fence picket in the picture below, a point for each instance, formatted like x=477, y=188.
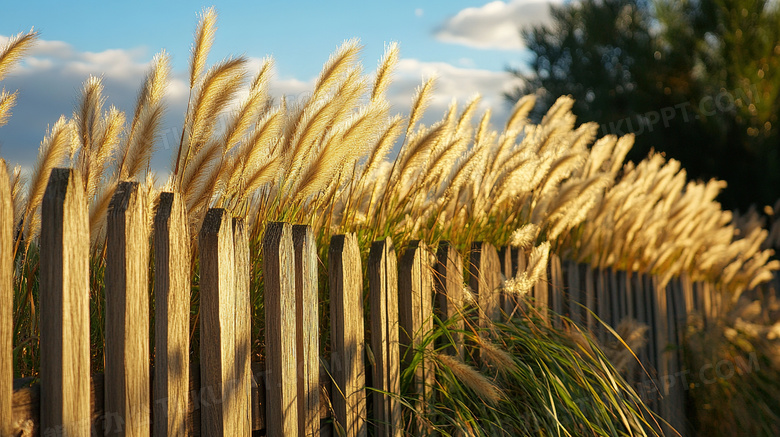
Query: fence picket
x=485, y=281
x=307, y=327
x=281, y=414
x=415, y=317
x=508, y=301
x=64, y=307
x=172, y=316
x=383, y=284
x=6, y=302
x=347, y=336
x=243, y=330
x=574, y=291
x=448, y=282
x=557, y=294
x=218, y=392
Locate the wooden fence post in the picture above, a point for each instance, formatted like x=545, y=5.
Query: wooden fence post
x=485, y=281
x=6, y=302
x=127, y=313
x=507, y=257
x=603, y=302
x=448, y=282
x=172, y=316
x=383, y=283
x=415, y=316
x=217, y=325
x=243, y=330
x=347, y=336
x=557, y=294
x=280, y=331
x=574, y=291
x=308, y=332
x=64, y=306
x=589, y=296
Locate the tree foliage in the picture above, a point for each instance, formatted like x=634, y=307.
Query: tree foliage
x=695, y=79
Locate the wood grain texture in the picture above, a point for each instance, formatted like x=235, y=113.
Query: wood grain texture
x=218, y=402
x=307, y=326
x=243, y=329
x=588, y=277
x=603, y=304
x=507, y=300
x=415, y=318
x=557, y=294
x=485, y=281
x=172, y=316
x=64, y=306
x=6, y=302
x=448, y=283
x=280, y=331
x=574, y=291
x=386, y=377
x=127, y=313
x=347, y=336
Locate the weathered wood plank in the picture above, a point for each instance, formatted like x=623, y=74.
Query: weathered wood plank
x=415, y=317
x=6, y=302
x=64, y=306
x=383, y=284
x=281, y=416
x=541, y=295
x=127, y=409
x=485, y=281
x=506, y=256
x=448, y=283
x=574, y=291
x=243, y=329
x=347, y=335
x=589, y=290
x=615, y=299
x=172, y=316
x=217, y=325
x=557, y=294
x=603, y=301
x=307, y=328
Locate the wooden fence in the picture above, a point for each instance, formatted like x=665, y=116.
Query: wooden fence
x=289, y=394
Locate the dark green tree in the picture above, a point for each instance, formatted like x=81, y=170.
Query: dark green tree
x=697, y=80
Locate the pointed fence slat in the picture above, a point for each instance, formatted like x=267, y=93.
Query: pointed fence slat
x=485, y=280
x=127, y=314
x=6, y=302
x=217, y=326
x=541, y=295
x=558, y=299
x=507, y=258
x=347, y=335
x=280, y=330
x=415, y=317
x=172, y=316
x=448, y=283
x=383, y=285
x=589, y=296
x=64, y=307
x=243, y=328
x=307, y=328
x=574, y=292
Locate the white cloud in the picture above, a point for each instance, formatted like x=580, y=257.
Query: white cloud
x=49, y=81
x=495, y=25
x=419, y=12
x=452, y=82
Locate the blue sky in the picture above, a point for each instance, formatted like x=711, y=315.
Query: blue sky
x=466, y=44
